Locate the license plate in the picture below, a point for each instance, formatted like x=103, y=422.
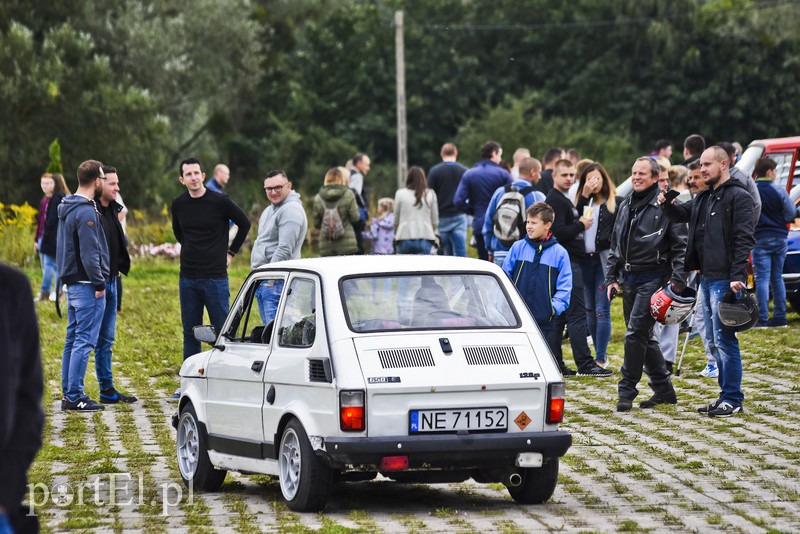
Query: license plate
x=453, y=420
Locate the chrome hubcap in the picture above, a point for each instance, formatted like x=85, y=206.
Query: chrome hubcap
x=188, y=444
x=290, y=463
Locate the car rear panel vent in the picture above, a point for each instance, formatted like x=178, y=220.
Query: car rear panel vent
x=490, y=355
x=319, y=371
x=394, y=358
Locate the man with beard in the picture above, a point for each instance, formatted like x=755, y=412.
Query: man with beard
x=721, y=236
x=82, y=259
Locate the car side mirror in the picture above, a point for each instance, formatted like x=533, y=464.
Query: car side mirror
x=205, y=334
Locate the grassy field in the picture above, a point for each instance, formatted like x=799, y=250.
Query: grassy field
x=667, y=469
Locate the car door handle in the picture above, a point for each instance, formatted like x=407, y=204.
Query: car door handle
x=257, y=366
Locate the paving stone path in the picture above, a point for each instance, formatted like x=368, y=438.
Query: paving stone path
x=664, y=470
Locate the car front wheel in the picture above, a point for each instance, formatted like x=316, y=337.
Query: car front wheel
x=305, y=481
x=193, y=462
x=538, y=483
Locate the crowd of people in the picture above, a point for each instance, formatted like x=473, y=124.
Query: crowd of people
x=557, y=227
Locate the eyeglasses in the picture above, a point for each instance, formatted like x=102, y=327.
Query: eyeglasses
x=277, y=189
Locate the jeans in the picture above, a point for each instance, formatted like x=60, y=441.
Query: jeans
x=5, y=525
x=641, y=346
x=768, y=257
x=413, y=246
x=268, y=297
x=598, y=308
x=575, y=321
x=453, y=235
x=84, y=317
x=49, y=269
x=195, y=293
x=700, y=325
x=722, y=342
x=105, y=341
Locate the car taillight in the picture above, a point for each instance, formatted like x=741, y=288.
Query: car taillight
x=351, y=411
x=555, y=403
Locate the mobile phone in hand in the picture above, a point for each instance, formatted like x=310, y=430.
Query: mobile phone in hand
x=613, y=293
x=671, y=195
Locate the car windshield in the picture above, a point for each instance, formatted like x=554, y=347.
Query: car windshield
x=426, y=301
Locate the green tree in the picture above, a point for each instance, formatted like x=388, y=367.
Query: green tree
x=55, y=158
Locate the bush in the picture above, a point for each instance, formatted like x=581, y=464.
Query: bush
x=17, y=231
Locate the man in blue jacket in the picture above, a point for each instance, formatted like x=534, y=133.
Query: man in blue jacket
x=82, y=259
x=529, y=173
x=476, y=189
x=769, y=253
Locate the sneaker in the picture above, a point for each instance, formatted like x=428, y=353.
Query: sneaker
x=761, y=324
x=601, y=363
x=712, y=406
x=596, y=370
x=777, y=323
x=175, y=397
x=64, y=403
x=83, y=404
x=566, y=371
x=724, y=409
x=657, y=399
x=710, y=371
x=112, y=396
x=624, y=405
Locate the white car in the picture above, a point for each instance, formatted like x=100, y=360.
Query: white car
x=420, y=368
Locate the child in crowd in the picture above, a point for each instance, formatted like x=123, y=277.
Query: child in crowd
x=382, y=228
x=540, y=270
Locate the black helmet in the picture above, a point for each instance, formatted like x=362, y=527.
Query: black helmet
x=738, y=314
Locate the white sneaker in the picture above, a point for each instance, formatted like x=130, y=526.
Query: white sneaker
x=710, y=371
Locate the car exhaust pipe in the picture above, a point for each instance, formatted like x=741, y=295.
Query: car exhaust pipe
x=513, y=480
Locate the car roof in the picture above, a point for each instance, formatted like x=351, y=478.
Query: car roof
x=778, y=143
x=339, y=266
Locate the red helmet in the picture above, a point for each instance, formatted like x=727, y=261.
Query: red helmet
x=669, y=308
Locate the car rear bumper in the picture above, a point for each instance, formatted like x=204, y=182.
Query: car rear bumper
x=446, y=451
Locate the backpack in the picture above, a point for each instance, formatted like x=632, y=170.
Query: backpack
x=508, y=222
x=332, y=226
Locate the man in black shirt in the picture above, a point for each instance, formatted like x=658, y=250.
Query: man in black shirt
x=444, y=179
x=200, y=223
x=119, y=262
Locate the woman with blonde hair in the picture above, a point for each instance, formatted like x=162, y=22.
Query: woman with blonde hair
x=416, y=215
x=55, y=189
x=334, y=212
x=596, y=199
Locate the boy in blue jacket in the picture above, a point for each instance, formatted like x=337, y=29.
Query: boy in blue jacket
x=541, y=272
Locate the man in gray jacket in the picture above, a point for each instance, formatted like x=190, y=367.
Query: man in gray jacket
x=82, y=259
x=281, y=232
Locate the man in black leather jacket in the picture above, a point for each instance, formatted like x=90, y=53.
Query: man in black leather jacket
x=647, y=250
x=721, y=236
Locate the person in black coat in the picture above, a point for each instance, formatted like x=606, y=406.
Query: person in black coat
x=55, y=189
x=21, y=386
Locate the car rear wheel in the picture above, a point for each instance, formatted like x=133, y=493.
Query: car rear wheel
x=305, y=481
x=538, y=483
x=193, y=462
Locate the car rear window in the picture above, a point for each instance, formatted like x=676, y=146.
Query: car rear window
x=426, y=301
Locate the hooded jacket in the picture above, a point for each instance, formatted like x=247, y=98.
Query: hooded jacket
x=281, y=232
x=727, y=215
x=82, y=251
x=493, y=244
x=344, y=200
x=542, y=274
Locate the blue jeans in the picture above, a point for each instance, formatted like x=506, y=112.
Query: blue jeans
x=453, y=235
x=84, y=317
x=268, y=297
x=598, y=308
x=5, y=525
x=48, y=269
x=722, y=342
x=768, y=257
x=413, y=246
x=105, y=341
x=195, y=293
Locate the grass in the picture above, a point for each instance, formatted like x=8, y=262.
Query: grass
x=648, y=467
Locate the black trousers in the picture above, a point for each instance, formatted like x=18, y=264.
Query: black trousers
x=575, y=321
x=641, y=345
x=483, y=254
